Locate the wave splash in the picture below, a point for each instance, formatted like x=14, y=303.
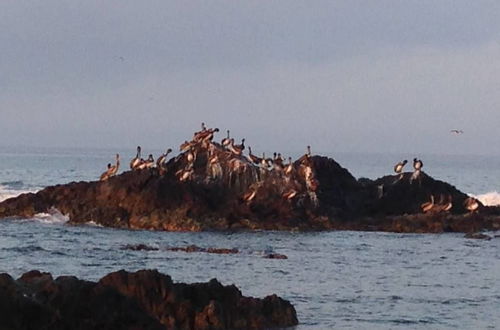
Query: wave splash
x=489, y=199
x=52, y=216
x=6, y=192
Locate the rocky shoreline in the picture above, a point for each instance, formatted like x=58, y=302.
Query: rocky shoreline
x=145, y=299
x=212, y=187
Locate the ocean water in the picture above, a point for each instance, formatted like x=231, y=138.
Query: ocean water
x=346, y=280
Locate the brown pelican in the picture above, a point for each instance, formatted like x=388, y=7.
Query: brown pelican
x=205, y=135
x=417, y=164
x=112, y=169
x=236, y=149
x=190, y=156
x=240, y=147
x=186, y=146
x=279, y=160
x=289, y=195
x=203, y=129
x=427, y=206
x=214, y=168
x=136, y=161
x=277, y=163
x=263, y=161
x=446, y=205
x=254, y=159
x=398, y=168
x=161, y=160
x=305, y=159
x=207, y=139
x=148, y=163
x=249, y=196
x=471, y=204
x=226, y=141
x=289, y=168
x=186, y=175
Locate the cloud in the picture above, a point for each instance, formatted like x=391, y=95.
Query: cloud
x=339, y=76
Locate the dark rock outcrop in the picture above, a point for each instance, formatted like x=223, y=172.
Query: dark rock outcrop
x=142, y=300
x=275, y=256
x=195, y=248
x=211, y=187
x=139, y=247
x=478, y=236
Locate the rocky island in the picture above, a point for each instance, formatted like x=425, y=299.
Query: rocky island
x=214, y=186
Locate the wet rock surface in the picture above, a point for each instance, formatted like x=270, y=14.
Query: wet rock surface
x=275, y=256
x=195, y=248
x=478, y=236
x=145, y=299
x=209, y=186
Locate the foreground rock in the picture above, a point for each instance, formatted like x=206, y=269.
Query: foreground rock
x=142, y=300
x=212, y=187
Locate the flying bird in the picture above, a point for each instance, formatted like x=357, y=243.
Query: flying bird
x=456, y=131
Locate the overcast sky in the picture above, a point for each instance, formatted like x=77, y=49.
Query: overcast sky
x=381, y=76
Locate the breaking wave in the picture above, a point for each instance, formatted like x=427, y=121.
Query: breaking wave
x=52, y=216
x=7, y=192
x=489, y=199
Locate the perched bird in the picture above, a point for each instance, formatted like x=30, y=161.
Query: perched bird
x=185, y=175
x=148, y=163
x=236, y=149
x=278, y=159
x=417, y=164
x=206, y=134
x=264, y=164
x=290, y=194
x=305, y=159
x=209, y=135
x=289, y=167
x=112, y=169
x=190, y=156
x=226, y=141
x=471, y=204
x=398, y=168
x=254, y=159
x=240, y=147
x=161, y=160
x=427, y=206
x=447, y=204
x=136, y=161
x=249, y=196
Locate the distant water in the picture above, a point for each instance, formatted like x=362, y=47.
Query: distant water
x=347, y=280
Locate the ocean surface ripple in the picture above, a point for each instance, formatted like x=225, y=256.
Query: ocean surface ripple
x=358, y=280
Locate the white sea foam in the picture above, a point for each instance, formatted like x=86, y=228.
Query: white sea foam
x=94, y=224
x=6, y=193
x=489, y=199
x=52, y=216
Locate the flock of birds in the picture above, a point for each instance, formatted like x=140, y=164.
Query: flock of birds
x=226, y=162
x=445, y=203
x=417, y=166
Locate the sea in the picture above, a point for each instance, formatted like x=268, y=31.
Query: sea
x=335, y=280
